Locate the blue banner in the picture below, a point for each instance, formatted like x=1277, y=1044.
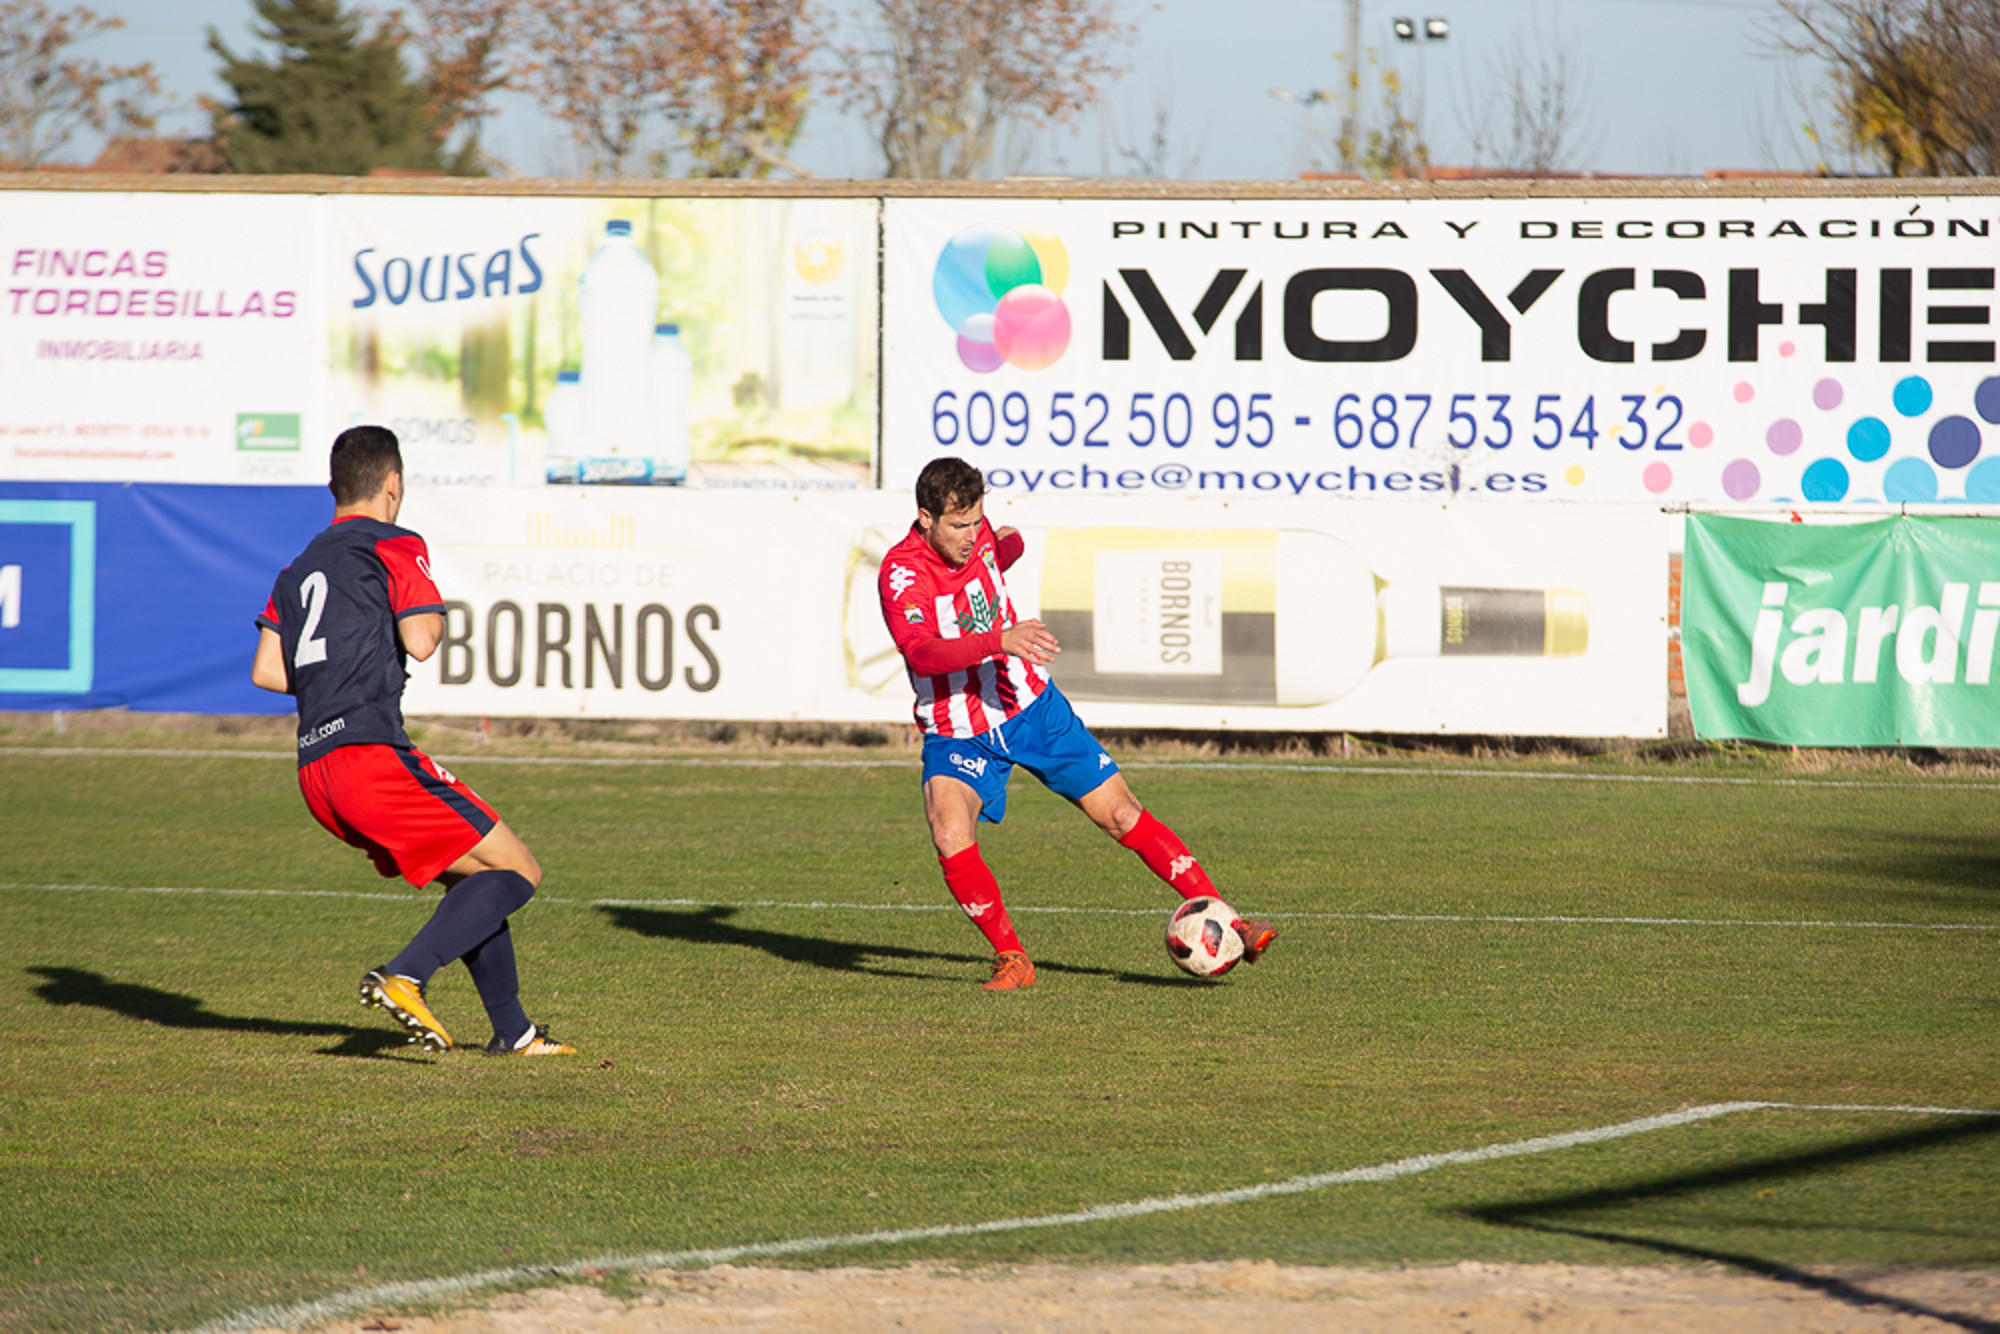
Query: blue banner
x=142, y=596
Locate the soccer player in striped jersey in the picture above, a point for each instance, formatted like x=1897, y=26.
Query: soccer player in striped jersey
x=986, y=704
x=342, y=620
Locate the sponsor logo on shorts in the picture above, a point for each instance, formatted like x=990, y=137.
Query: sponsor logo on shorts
x=972, y=764
x=1103, y=760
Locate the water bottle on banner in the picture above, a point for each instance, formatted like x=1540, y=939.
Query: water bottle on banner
x=671, y=381
x=617, y=298
x=562, y=420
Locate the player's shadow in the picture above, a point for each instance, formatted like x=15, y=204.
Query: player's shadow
x=712, y=925
x=1966, y=866
x=1557, y=1214
x=80, y=986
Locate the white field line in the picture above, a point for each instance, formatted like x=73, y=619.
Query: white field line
x=420, y=1290
x=416, y=900
x=1154, y=766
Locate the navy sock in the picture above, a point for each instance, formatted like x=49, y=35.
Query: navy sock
x=491, y=964
x=471, y=913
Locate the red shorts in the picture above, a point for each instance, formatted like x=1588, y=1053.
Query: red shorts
x=411, y=817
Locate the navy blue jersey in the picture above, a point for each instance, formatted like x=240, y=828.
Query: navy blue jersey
x=335, y=609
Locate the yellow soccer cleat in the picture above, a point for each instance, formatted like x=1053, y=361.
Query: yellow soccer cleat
x=403, y=997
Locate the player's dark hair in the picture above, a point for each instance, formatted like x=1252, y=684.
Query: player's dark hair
x=946, y=485
x=362, y=459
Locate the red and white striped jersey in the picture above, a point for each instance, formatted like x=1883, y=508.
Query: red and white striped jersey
x=947, y=624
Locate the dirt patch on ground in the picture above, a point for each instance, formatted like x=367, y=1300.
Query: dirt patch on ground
x=1265, y=1297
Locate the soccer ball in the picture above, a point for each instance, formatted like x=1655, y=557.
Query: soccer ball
x=1202, y=937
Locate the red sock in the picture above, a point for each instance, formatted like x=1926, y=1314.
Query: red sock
x=1167, y=857
x=972, y=884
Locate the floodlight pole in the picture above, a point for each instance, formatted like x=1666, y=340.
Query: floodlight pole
x=1350, y=126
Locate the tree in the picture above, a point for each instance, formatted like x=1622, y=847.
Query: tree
x=47, y=95
x=728, y=80
x=746, y=83
x=336, y=100
x=464, y=44
x=1531, y=122
x=592, y=64
x=938, y=80
x=1916, y=83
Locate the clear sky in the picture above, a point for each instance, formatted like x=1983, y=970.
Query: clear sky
x=1667, y=86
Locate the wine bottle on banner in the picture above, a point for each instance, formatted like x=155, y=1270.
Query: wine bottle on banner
x=1286, y=617
x=670, y=382
x=617, y=297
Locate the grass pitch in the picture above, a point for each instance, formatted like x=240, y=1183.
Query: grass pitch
x=783, y=1033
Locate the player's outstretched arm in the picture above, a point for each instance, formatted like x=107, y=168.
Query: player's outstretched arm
x=268, y=670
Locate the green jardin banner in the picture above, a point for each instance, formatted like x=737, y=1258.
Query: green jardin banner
x=1865, y=634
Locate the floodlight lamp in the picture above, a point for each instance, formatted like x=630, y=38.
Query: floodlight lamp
x=1436, y=29
x=1406, y=30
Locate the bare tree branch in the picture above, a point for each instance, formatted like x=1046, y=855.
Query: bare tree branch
x=1916, y=83
x=940, y=79
x=1533, y=123
x=48, y=95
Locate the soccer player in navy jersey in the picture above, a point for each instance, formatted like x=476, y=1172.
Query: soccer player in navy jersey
x=341, y=622
x=986, y=705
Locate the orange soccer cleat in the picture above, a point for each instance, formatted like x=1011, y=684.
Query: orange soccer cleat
x=1257, y=937
x=1011, y=972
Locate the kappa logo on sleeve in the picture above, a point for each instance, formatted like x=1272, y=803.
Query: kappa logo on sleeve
x=900, y=578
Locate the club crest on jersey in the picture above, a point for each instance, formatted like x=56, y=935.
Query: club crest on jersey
x=900, y=578
x=977, y=618
x=914, y=615
x=992, y=565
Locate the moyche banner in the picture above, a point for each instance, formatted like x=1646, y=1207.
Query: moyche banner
x=1865, y=634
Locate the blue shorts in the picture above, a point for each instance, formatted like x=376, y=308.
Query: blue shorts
x=1046, y=738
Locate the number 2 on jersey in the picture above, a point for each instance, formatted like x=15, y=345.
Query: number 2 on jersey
x=312, y=592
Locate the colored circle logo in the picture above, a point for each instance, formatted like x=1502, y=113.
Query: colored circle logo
x=1000, y=290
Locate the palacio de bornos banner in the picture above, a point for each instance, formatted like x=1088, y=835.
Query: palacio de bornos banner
x=1878, y=633
x=1664, y=349
x=629, y=603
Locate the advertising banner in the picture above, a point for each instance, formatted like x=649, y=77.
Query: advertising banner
x=526, y=340
x=620, y=602
x=142, y=596
x=1663, y=349
x=1864, y=634
x=167, y=337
